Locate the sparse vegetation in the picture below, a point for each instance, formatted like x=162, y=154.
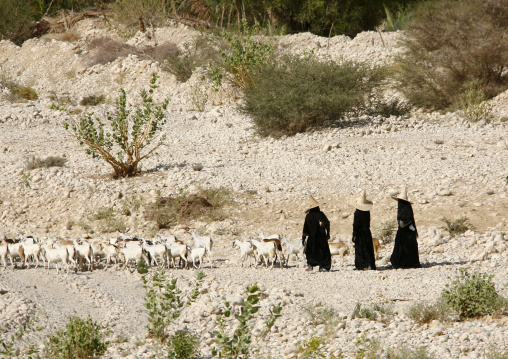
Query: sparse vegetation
x=386, y=229
x=234, y=339
x=313, y=348
x=183, y=345
x=164, y=301
x=408, y=353
x=458, y=226
x=82, y=339
x=209, y=203
x=92, y=100
x=438, y=68
x=423, y=313
x=474, y=105
x=51, y=161
x=320, y=314
x=126, y=143
x=473, y=294
x=367, y=313
x=297, y=94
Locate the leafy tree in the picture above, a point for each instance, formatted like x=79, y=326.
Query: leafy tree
x=133, y=135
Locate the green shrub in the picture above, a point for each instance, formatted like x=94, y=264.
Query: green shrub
x=407, y=353
x=209, y=204
x=473, y=295
x=474, y=105
x=82, y=339
x=458, y=226
x=131, y=134
x=493, y=352
x=16, y=22
x=243, y=55
x=368, y=348
x=51, y=161
x=319, y=314
x=183, y=345
x=422, y=312
x=296, y=94
x=199, y=53
x=449, y=44
x=312, y=348
x=92, y=100
x=397, y=20
x=367, y=313
x=164, y=303
x=132, y=12
x=238, y=343
x=386, y=229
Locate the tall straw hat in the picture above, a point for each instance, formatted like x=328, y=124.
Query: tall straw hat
x=362, y=203
x=402, y=195
x=312, y=202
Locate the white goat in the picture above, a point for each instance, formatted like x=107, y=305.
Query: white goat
x=133, y=253
x=265, y=250
x=56, y=255
x=84, y=252
x=197, y=253
x=3, y=254
x=177, y=250
x=14, y=250
x=203, y=242
x=247, y=251
x=292, y=247
x=156, y=251
x=32, y=250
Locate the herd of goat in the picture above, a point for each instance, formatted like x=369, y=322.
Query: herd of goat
x=168, y=251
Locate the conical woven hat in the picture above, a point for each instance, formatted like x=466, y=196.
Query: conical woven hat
x=312, y=202
x=362, y=203
x=402, y=195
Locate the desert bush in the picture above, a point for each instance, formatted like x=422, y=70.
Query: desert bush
x=296, y=94
x=398, y=19
x=51, y=161
x=92, y=100
x=234, y=339
x=368, y=348
x=386, y=229
x=408, y=353
x=493, y=352
x=313, y=348
x=164, y=301
x=458, y=226
x=449, y=44
x=366, y=313
x=473, y=295
x=199, y=53
x=387, y=108
x=319, y=314
x=243, y=54
x=183, y=345
x=474, y=105
x=209, y=203
x=125, y=143
x=149, y=12
x=82, y=339
x=422, y=312
x=17, y=21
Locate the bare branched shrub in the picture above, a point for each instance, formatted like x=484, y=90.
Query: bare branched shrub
x=450, y=43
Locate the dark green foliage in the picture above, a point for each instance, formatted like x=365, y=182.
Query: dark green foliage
x=142, y=267
x=367, y=313
x=388, y=108
x=297, y=94
x=82, y=339
x=92, y=100
x=17, y=21
x=473, y=295
x=126, y=142
x=458, y=226
x=451, y=43
x=164, y=301
x=237, y=344
x=183, y=345
x=51, y=161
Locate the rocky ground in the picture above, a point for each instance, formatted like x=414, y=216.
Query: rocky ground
x=451, y=168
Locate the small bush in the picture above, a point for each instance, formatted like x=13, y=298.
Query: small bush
x=132, y=136
x=493, y=352
x=474, y=105
x=92, y=100
x=210, y=204
x=25, y=92
x=473, y=295
x=297, y=94
x=386, y=229
x=386, y=109
x=51, y=161
x=164, y=302
x=312, y=348
x=424, y=313
x=82, y=339
x=407, y=353
x=459, y=226
x=449, y=44
x=183, y=345
x=200, y=53
x=367, y=313
x=17, y=22
x=319, y=314
x=397, y=20
x=368, y=348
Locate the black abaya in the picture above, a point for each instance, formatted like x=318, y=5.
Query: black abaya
x=362, y=237
x=317, y=250
x=405, y=249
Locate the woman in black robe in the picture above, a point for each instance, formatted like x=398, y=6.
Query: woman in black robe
x=362, y=236
x=405, y=249
x=316, y=230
